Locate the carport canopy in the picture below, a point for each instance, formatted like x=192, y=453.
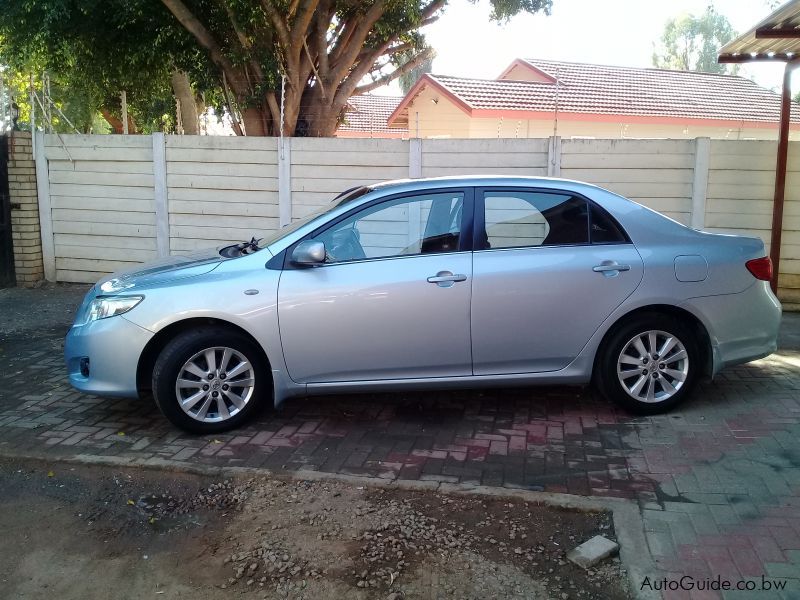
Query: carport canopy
x=776, y=38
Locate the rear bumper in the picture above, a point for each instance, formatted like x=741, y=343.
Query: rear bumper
x=742, y=327
x=113, y=347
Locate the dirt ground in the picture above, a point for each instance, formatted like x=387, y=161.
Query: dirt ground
x=100, y=532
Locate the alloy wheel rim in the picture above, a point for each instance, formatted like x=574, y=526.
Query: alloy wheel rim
x=653, y=366
x=215, y=384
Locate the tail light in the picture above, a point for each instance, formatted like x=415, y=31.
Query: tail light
x=761, y=268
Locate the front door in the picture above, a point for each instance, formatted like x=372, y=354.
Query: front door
x=549, y=267
x=392, y=300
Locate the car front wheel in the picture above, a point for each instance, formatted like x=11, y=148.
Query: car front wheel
x=649, y=365
x=209, y=380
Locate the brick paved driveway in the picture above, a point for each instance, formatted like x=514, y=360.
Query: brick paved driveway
x=718, y=482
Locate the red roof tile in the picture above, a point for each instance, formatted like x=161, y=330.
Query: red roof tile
x=368, y=114
x=597, y=89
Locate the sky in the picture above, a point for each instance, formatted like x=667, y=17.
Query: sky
x=611, y=32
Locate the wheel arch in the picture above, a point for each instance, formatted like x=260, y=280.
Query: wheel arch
x=685, y=316
x=148, y=357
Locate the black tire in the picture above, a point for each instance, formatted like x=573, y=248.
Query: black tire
x=608, y=381
x=169, y=366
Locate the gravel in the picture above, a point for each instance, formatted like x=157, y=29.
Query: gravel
x=398, y=544
x=185, y=535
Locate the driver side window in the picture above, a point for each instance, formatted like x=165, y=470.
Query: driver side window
x=422, y=224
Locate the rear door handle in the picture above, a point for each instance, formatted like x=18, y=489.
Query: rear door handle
x=446, y=278
x=606, y=267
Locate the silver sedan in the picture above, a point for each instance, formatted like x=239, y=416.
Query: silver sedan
x=426, y=284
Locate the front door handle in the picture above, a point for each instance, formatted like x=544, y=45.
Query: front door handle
x=610, y=267
x=446, y=278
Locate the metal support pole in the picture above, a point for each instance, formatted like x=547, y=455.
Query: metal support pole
x=5, y=106
x=780, y=174
x=47, y=109
x=32, y=94
x=124, y=100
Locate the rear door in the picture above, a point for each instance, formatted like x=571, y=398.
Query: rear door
x=548, y=268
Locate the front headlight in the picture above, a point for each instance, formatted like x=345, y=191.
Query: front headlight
x=102, y=308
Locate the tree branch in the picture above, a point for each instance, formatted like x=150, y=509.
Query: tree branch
x=335, y=34
x=277, y=22
x=430, y=10
x=243, y=41
x=427, y=16
x=193, y=25
x=321, y=40
x=425, y=22
x=237, y=128
x=301, y=22
x=274, y=109
x=342, y=37
x=240, y=35
x=414, y=62
x=386, y=49
x=348, y=54
x=320, y=83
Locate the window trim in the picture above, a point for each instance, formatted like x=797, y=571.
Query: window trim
x=479, y=219
x=465, y=239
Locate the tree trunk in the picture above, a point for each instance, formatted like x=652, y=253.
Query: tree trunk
x=320, y=114
x=254, y=121
x=323, y=121
x=182, y=89
x=315, y=117
x=116, y=122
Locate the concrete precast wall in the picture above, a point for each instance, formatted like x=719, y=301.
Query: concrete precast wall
x=111, y=202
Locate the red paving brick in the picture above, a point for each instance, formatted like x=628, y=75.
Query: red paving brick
x=723, y=472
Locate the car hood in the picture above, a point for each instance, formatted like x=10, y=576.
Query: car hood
x=161, y=271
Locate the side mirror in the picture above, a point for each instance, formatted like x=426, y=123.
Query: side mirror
x=310, y=252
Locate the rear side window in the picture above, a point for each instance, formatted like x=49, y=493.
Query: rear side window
x=605, y=230
x=515, y=219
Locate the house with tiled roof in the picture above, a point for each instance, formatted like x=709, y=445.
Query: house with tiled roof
x=539, y=98
x=367, y=115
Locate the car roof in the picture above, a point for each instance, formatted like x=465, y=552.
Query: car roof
x=481, y=180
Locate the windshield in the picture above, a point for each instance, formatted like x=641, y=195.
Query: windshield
x=343, y=198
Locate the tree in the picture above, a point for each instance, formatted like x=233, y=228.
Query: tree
x=409, y=78
x=691, y=43
x=327, y=51
x=302, y=59
x=75, y=99
x=94, y=49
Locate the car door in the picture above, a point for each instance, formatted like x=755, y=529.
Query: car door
x=549, y=266
x=391, y=301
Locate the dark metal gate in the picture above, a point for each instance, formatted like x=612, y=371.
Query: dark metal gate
x=7, y=277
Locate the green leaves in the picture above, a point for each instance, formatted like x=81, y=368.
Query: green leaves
x=690, y=43
x=503, y=10
x=94, y=49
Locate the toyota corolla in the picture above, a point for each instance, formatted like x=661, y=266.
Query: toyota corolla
x=432, y=283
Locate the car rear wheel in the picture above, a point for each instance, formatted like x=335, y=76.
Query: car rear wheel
x=649, y=365
x=209, y=380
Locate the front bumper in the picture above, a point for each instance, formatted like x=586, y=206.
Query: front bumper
x=113, y=347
